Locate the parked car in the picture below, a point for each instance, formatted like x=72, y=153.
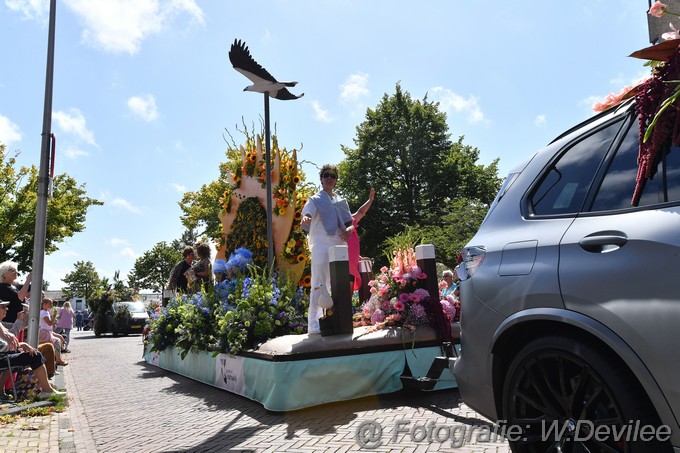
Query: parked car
x=571, y=297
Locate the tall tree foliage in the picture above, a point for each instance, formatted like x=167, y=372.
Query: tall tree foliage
x=82, y=282
x=122, y=291
x=403, y=150
x=66, y=210
x=152, y=269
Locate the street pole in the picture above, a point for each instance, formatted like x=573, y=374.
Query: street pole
x=268, y=169
x=43, y=191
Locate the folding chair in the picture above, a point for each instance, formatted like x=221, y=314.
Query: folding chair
x=6, y=365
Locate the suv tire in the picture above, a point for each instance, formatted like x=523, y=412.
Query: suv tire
x=558, y=381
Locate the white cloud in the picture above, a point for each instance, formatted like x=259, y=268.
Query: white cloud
x=9, y=132
x=539, y=120
x=30, y=9
x=120, y=26
x=320, y=113
x=122, y=203
x=143, y=107
x=74, y=153
x=354, y=88
x=128, y=252
x=181, y=188
x=448, y=100
x=116, y=242
x=73, y=122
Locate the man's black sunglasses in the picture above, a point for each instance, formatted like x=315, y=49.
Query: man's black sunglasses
x=330, y=175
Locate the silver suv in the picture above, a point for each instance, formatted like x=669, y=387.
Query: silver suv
x=571, y=298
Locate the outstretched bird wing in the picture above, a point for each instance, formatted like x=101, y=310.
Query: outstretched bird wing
x=243, y=62
x=263, y=81
x=284, y=95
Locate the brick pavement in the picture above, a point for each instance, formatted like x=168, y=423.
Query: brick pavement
x=121, y=404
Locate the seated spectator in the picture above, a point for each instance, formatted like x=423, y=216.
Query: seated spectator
x=22, y=354
x=10, y=291
x=46, y=349
x=447, y=286
x=46, y=334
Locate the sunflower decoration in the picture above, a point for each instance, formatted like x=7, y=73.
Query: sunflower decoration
x=225, y=199
x=249, y=229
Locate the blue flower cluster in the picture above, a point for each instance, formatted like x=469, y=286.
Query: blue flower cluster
x=238, y=262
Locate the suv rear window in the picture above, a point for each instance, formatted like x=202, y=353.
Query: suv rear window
x=617, y=187
x=566, y=184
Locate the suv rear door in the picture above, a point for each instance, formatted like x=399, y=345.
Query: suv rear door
x=620, y=265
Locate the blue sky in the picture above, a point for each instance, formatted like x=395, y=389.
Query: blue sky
x=144, y=92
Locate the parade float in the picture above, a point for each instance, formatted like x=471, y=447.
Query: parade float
x=248, y=335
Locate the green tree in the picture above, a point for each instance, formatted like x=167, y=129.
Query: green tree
x=121, y=290
x=403, y=150
x=82, y=282
x=152, y=269
x=189, y=238
x=66, y=210
x=455, y=230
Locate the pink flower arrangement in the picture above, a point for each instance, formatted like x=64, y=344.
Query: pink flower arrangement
x=451, y=308
x=397, y=297
x=611, y=100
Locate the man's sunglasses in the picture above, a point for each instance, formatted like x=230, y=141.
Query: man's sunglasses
x=330, y=175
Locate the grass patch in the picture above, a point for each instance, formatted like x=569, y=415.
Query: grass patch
x=6, y=419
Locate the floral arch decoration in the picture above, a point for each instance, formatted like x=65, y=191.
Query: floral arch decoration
x=243, y=214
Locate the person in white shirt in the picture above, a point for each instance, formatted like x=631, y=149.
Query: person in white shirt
x=329, y=221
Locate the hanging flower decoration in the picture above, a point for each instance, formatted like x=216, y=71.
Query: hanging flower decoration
x=656, y=98
x=656, y=104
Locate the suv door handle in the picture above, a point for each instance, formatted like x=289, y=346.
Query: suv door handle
x=603, y=243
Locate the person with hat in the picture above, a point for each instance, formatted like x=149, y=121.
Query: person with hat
x=22, y=354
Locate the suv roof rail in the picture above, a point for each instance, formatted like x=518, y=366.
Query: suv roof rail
x=624, y=106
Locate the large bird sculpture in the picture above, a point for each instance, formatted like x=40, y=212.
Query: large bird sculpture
x=263, y=81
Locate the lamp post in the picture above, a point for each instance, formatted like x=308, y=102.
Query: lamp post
x=268, y=169
x=263, y=82
x=43, y=191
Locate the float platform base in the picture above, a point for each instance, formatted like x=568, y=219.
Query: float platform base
x=297, y=371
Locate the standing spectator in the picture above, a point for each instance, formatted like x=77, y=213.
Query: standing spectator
x=201, y=271
x=79, y=320
x=9, y=291
x=327, y=218
x=178, y=281
x=65, y=324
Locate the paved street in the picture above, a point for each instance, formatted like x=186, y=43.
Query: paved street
x=118, y=403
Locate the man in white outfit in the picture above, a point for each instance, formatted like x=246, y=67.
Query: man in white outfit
x=329, y=221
